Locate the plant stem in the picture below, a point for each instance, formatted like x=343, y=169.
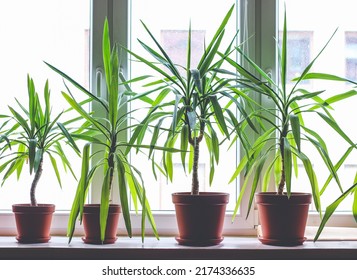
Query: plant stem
x=283, y=135
x=196, y=153
x=35, y=182
x=282, y=179
x=111, y=163
x=195, y=142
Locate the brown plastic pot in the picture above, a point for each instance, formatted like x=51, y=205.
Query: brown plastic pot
x=283, y=220
x=200, y=218
x=33, y=223
x=91, y=224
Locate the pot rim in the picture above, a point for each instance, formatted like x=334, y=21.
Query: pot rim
x=92, y=208
x=203, y=197
x=273, y=197
x=26, y=207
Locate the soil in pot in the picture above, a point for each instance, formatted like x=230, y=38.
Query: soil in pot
x=33, y=223
x=200, y=218
x=91, y=224
x=283, y=220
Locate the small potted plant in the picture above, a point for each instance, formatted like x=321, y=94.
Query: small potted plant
x=283, y=213
x=100, y=221
x=36, y=135
x=192, y=100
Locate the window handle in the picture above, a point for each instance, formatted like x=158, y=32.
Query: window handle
x=100, y=83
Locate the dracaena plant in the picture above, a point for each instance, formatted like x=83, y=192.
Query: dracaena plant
x=186, y=104
x=280, y=146
x=105, y=133
x=34, y=135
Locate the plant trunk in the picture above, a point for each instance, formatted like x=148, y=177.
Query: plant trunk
x=195, y=142
x=111, y=165
x=196, y=152
x=35, y=182
x=282, y=179
x=282, y=148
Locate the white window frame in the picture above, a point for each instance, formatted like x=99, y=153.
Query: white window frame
x=260, y=19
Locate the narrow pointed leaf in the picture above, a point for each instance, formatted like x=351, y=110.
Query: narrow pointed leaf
x=295, y=126
x=219, y=114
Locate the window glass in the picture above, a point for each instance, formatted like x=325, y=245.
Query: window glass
x=171, y=30
x=351, y=54
x=31, y=32
x=309, y=28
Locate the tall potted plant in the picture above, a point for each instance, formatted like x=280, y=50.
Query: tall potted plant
x=283, y=213
x=192, y=100
x=36, y=135
x=100, y=220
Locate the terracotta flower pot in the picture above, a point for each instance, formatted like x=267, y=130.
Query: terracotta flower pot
x=283, y=220
x=91, y=224
x=200, y=218
x=33, y=223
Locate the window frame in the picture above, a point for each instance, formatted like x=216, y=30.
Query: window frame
x=258, y=17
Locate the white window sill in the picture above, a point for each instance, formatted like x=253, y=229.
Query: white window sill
x=167, y=248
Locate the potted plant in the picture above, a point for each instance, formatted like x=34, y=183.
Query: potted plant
x=283, y=213
x=100, y=220
x=185, y=105
x=36, y=135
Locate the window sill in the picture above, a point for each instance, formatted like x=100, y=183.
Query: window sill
x=247, y=248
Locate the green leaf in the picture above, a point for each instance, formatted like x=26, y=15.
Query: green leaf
x=295, y=126
x=32, y=153
x=241, y=110
x=212, y=48
x=106, y=53
x=68, y=136
x=55, y=168
x=312, y=178
x=21, y=151
x=267, y=174
x=331, y=209
x=169, y=167
x=342, y=96
x=83, y=113
x=191, y=115
x=104, y=202
x=215, y=145
x=21, y=121
x=165, y=59
x=143, y=216
x=78, y=86
x=15, y=163
x=255, y=182
x=326, y=158
x=287, y=165
x=197, y=80
x=328, y=77
x=184, y=145
x=174, y=115
x=211, y=171
x=79, y=200
x=336, y=127
x=190, y=159
x=354, y=206
x=336, y=168
x=123, y=193
x=219, y=115
x=38, y=159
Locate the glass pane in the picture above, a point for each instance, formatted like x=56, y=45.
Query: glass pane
x=309, y=28
x=172, y=32
x=31, y=32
